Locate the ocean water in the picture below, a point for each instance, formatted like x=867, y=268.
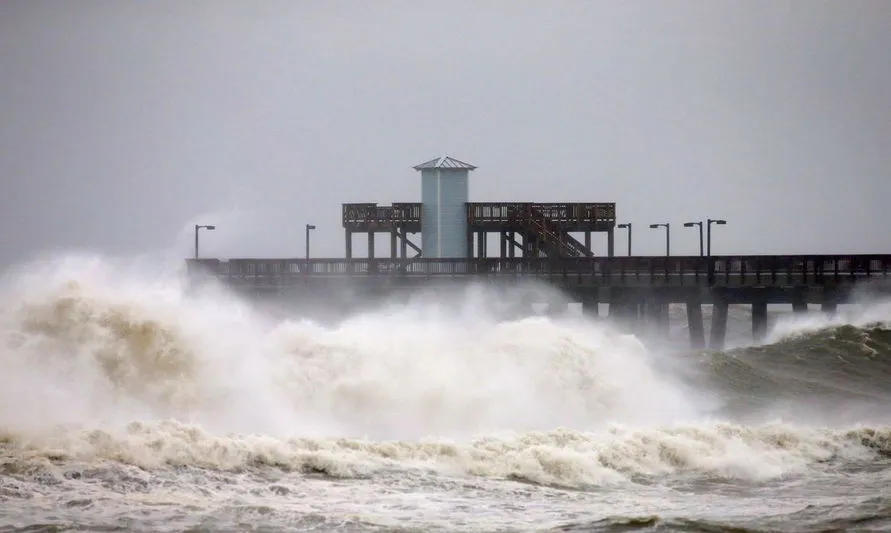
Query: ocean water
x=130, y=404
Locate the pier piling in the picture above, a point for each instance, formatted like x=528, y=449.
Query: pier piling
x=718, y=331
x=759, y=319
x=657, y=316
x=590, y=307
x=694, y=322
x=829, y=306
x=799, y=300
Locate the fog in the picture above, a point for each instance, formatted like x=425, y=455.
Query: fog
x=125, y=122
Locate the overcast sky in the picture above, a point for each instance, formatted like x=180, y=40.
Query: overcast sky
x=123, y=122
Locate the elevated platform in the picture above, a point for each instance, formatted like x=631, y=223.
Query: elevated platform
x=535, y=229
x=482, y=216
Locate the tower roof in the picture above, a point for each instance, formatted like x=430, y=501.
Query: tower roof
x=445, y=162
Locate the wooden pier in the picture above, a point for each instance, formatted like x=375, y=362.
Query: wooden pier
x=544, y=245
x=636, y=288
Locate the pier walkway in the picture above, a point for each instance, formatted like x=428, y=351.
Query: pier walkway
x=657, y=271
x=637, y=289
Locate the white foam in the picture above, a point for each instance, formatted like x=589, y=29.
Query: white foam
x=864, y=314
x=84, y=342
x=87, y=343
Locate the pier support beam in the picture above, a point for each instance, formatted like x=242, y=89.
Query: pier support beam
x=590, y=307
x=830, y=302
x=628, y=315
x=624, y=308
x=657, y=316
x=481, y=244
x=349, y=244
x=799, y=301
x=557, y=309
x=759, y=319
x=694, y=322
x=718, y=333
x=469, y=242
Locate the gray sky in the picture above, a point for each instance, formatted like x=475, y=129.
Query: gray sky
x=122, y=122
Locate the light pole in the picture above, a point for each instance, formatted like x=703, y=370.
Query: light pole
x=309, y=227
x=709, y=233
x=628, y=227
x=198, y=227
x=690, y=225
x=667, y=236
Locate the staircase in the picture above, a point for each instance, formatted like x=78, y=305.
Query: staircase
x=552, y=240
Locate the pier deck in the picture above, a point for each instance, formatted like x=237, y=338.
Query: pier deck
x=657, y=271
x=636, y=288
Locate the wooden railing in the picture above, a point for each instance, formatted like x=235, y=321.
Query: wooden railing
x=678, y=270
x=490, y=212
x=354, y=214
x=565, y=213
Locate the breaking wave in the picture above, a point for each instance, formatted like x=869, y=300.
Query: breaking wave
x=561, y=457
x=107, y=366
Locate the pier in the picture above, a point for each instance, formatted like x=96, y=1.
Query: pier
x=635, y=288
x=550, y=244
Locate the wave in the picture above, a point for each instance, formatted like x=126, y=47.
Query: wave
x=837, y=372
x=93, y=347
x=103, y=364
x=560, y=458
x=870, y=514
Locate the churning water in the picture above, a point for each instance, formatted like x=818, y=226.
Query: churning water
x=128, y=404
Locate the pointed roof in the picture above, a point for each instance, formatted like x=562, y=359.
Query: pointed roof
x=445, y=162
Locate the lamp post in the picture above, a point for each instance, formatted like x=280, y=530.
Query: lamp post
x=709, y=233
x=628, y=227
x=198, y=227
x=690, y=225
x=309, y=227
x=667, y=236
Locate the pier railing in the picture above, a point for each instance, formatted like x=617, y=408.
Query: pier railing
x=767, y=270
x=560, y=213
x=357, y=214
x=372, y=214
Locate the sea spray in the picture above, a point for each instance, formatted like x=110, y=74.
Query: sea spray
x=876, y=313
x=122, y=393
x=126, y=350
